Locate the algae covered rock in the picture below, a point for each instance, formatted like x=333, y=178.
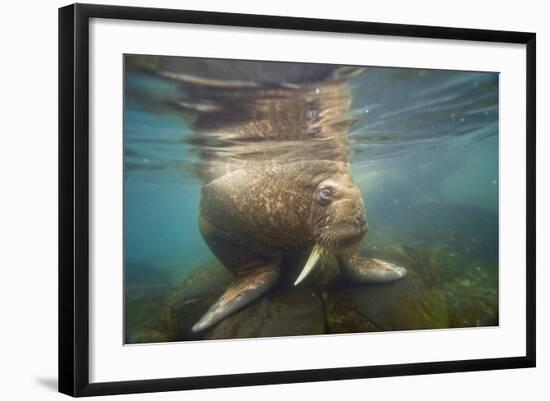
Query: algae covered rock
x=143, y=314
x=283, y=313
x=401, y=305
x=470, y=285
x=443, y=289
x=192, y=298
x=472, y=297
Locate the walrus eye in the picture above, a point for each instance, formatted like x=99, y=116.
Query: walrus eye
x=324, y=196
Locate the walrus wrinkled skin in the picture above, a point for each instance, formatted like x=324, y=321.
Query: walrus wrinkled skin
x=274, y=160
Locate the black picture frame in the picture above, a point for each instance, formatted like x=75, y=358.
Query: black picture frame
x=74, y=194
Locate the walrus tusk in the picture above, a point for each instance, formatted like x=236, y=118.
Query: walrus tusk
x=316, y=253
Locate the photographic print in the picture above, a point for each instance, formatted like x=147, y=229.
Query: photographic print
x=266, y=199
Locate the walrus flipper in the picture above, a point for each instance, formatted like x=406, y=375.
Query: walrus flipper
x=369, y=270
x=249, y=283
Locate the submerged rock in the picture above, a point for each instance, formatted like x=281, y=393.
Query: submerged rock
x=143, y=314
x=190, y=300
x=469, y=284
x=443, y=289
x=283, y=313
x=472, y=297
x=401, y=305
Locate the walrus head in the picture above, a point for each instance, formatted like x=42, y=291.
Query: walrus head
x=337, y=219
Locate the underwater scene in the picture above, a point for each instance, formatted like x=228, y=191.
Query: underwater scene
x=266, y=199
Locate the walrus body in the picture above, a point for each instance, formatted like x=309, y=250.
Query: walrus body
x=274, y=163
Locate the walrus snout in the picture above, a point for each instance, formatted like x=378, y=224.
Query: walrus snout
x=349, y=218
x=339, y=217
x=338, y=220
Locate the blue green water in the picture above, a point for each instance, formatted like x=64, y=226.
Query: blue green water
x=423, y=139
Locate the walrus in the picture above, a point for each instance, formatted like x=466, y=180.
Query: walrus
x=274, y=162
